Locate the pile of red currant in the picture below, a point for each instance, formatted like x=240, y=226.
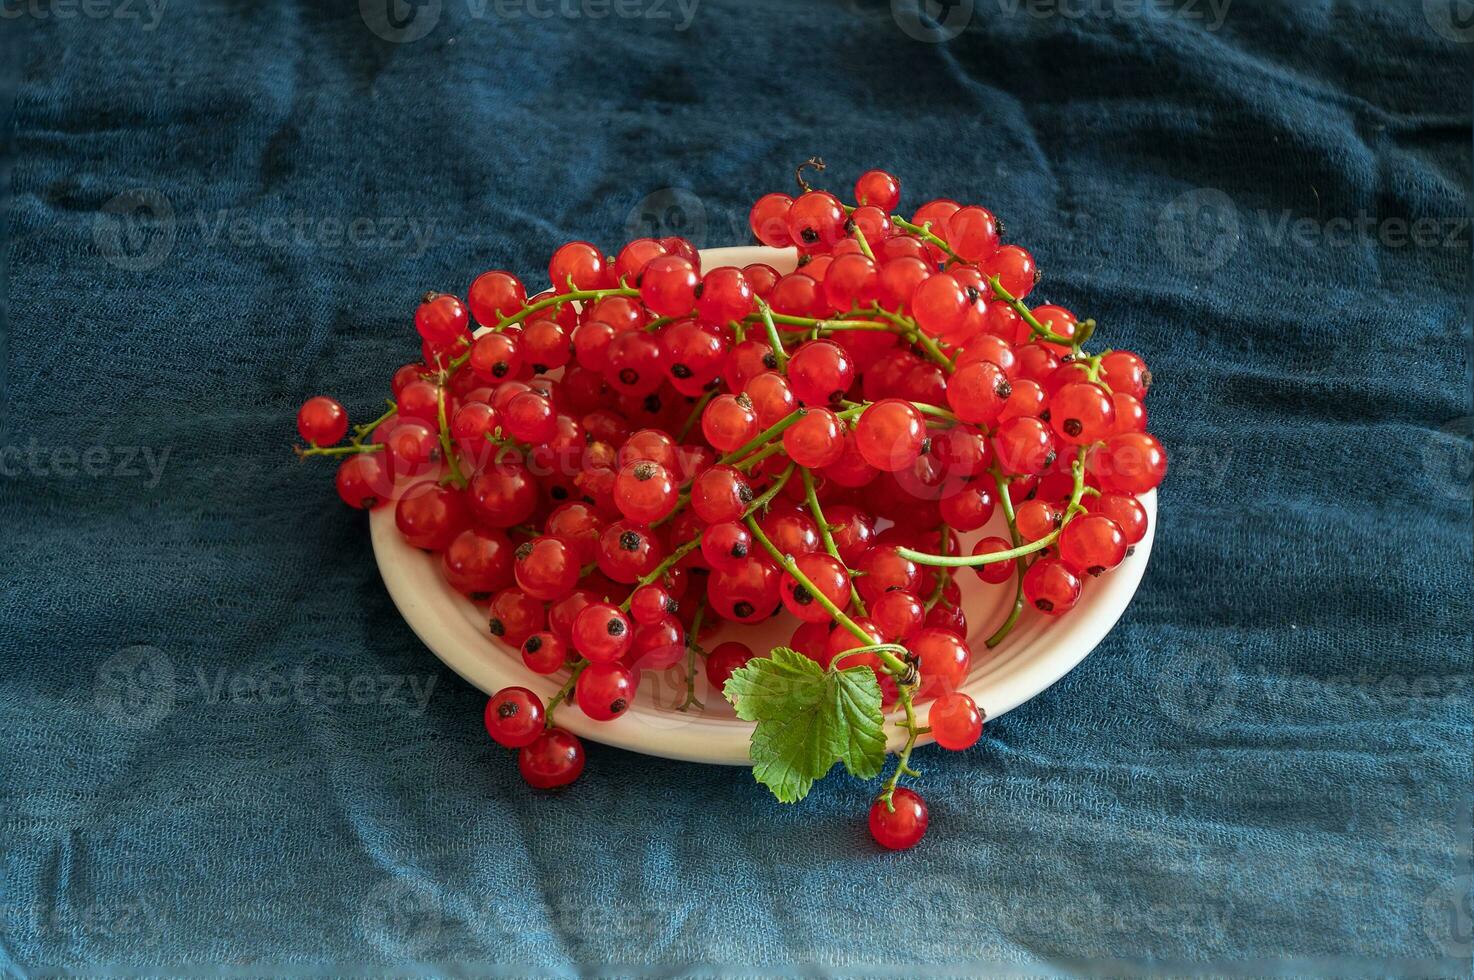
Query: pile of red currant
x=616, y=464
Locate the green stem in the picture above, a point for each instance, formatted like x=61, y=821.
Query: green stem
x=924, y=233
x=572, y=296
x=1039, y=329
x=567, y=689
x=903, y=762
x=363, y=430
x=1006, y=502
x=347, y=450
x=696, y=411
x=762, y=438
x=692, y=646
x=859, y=236
x=944, y=575
x=774, y=341
x=828, y=538
x=456, y=475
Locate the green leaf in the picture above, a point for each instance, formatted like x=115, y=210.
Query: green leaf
x=807, y=719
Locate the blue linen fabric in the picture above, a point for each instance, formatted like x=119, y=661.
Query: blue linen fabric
x=224, y=750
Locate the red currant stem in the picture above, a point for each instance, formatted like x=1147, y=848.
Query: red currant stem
x=692, y=646
x=804, y=324
x=762, y=438
x=1040, y=330
x=774, y=341
x=576, y=295
x=1006, y=502
x=347, y=450
x=944, y=575
x=925, y=408
x=747, y=464
x=912, y=332
x=893, y=664
x=457, y=477
x=903, y=763
x=859, y=236
x=696, y=411
x=583, y=572
x=924, y=233
x=874, y=648
x=359, y=431
x=828, y=538
x=658, y=322
x=567, y=689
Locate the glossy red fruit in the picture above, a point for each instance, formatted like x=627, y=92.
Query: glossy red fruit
x=604, y=690
x=651, y=603
x=1050, y=586
x=441, y=320
x=1092, y=544
x=994, y=572
x=478, y=562
x=514, y=717
x=1037, y=519
x=815, y=218
x=816, y=440
x=321, y=421
x=1130, y=462
x=601, y=632
x=890, y=434
x=495, y=295
x=668, y=286
x=768, y=220
x=828, y=575
x=632, y=259
x=943, y=658
x=974, y=233
x=545, y=653
x=504, y=493
x=495, y=356
x=554, y=759
x=363, y=481
x=879, y=188
x=1024, y=446
x=746, y=592
x=939, y=304
x=1125, y=510
x=902, y=827
x=884, y=569
x=430, y=516
x=772, y=397
x=729, y=421
x=726, y=295
x=1082, y=413
x=515, y=616
x=1125, y=373
x=955, y=721
x=1015, y=269
x=546, y=568
x=898, y=614
x=977, y=392
x=628, y=551
x=842, y=639
x=577, y=265
x=725, y=658
x=645, y=491
x=970, y=508
x=820, y=372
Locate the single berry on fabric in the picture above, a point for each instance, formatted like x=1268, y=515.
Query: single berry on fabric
x=902, y=827
x=955, y=721
x=555, y=758
x=322, y=421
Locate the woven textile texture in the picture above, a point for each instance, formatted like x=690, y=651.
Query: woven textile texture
x=223, y=749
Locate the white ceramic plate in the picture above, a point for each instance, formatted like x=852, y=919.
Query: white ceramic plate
x=1039, y=652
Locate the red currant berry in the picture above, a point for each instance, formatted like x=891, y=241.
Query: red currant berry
x=852, y=281
x=577, y=265
x=555, y=759
x=478, y=562
x=816, y=440
x=998, y=571
x=546, y=568
x=1014, y=268
x=890, y=434
x=729, y=421
x=746, y=592
x=1130, y=462
x=504, y=493
x=816, y=218
x=363, y=481
x=430, y=516
x=441, y=320
x=899, y=614
x=726, y=295
x=494, y=296
x=515, y=616
x=884, y=569
x=1051, y=587
x=668, y=286
x=970, y=508
x=514, y=717
x=768, y=220
x=943, y=659
x=827, y=575
x=322, y=421
x=902, y=827
x=633, y=364
x=939, y=304
x=1037, y=519
x=544, y=653
x=1082, y=413
x=1024, y=446
x=820, y=372
x=1125, y=510
x=878, y=188
x=725, y=544
x=955, y=721
x=842, y=639
x=977, y=392
x=601, y=633
x=604, y=690
x=1092, y=543
x=721, y=493
x=495, y=356
x=1130, y=413
x=899, y=278
x=772, y=397
x=723, y=660
x=973, y=233
x=627, y=551
x=1125, y=373
x=630, y=264
x=644, y=491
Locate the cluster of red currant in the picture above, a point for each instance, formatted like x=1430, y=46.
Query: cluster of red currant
x=647, y=447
